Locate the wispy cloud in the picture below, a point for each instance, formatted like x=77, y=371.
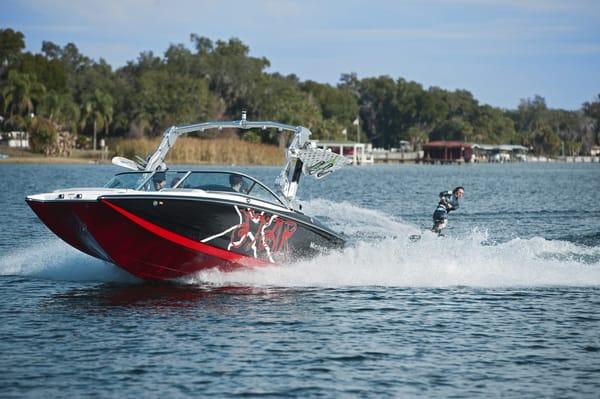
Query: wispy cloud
x=584, y=48
x=545, y=6
x=395, y=33
x=498, y=30
x=56, y=28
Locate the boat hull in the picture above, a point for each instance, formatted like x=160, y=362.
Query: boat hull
x=157, y=238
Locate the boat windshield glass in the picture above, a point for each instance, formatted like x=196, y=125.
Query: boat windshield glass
x=146, y=181
x=161, y=180
x=130, y=180
x=228, y=182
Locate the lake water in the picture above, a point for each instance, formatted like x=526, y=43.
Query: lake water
x=507, y=304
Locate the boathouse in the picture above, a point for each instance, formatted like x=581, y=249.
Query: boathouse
x=447, y=152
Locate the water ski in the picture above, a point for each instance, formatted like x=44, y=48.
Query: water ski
x=417, y=237
x=414, y=237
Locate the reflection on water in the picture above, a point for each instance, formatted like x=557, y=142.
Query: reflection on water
x=156, y=296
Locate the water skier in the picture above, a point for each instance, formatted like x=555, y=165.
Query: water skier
x=448, y=202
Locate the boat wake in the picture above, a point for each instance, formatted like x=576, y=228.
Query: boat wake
x=380, y=254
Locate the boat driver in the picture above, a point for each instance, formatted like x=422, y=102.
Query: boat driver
x=159, y=180
x=448, y=202
x=236, y=182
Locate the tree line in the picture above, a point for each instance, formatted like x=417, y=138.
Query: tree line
x=61, y=89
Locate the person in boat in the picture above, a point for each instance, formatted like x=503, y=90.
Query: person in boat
x=448, y=202
x=236, y=182
x=159, y=180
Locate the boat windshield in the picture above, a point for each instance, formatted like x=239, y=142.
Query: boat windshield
x=146, y=181
x=131, y=180
x=229, y=182
x=212, y=181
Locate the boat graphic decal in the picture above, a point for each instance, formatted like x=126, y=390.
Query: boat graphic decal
x=179, y=239
x=261, y=234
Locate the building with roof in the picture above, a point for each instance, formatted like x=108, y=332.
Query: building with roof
x=499, y=153
x=15, y=139
x=447, y=152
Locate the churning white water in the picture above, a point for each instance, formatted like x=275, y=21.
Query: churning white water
x=384, y=255
x=380, y=254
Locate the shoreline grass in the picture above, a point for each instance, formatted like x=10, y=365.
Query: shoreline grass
x=188, y=150
x=223, y=151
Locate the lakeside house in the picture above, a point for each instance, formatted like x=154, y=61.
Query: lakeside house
x=461, y=152
x=446, y=152
x=15, y=139
x=442, y=152
x=500, y=153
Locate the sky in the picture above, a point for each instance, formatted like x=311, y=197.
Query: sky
x=502, y=51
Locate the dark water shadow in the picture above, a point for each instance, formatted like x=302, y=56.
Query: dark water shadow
x=159, y=297
x=589, y=239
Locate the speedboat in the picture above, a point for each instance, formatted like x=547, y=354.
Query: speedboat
x=157, y=223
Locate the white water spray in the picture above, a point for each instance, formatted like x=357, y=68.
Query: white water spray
x=395, y=261
x=55, y=260
x=380, y=255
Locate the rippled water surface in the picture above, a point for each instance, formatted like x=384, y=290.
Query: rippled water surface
x=507, y=304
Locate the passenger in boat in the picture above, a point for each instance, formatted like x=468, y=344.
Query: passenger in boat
x=448, y=202
x=236, y=182
x=159, y=180
x=175, y=181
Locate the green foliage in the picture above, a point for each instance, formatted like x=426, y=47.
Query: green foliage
x=42, y=134
x=11, y=45
x=251, y=137
x=417, y=135
x=377, y=110
x=97, y=110
x=592, y=111
x=282, y=100
x=233, y=75
x=336, y=103
x=216, y=80
x=451, y=129
x=331, y=129
x=20, y=93
x=492, y=125
x=60, y=109
x=50, y=73
x=548, y=131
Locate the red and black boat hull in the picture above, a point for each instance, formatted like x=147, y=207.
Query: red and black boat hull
x=159, y=238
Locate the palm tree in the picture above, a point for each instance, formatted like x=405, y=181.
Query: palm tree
x=19, y=95
x=417, y=137
x=61, y=110
x=98, y=109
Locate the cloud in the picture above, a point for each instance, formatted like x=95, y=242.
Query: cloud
x=56, y=28
x=584, y=48
x=544, y=6
x=166, y=13
x=499, y=30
